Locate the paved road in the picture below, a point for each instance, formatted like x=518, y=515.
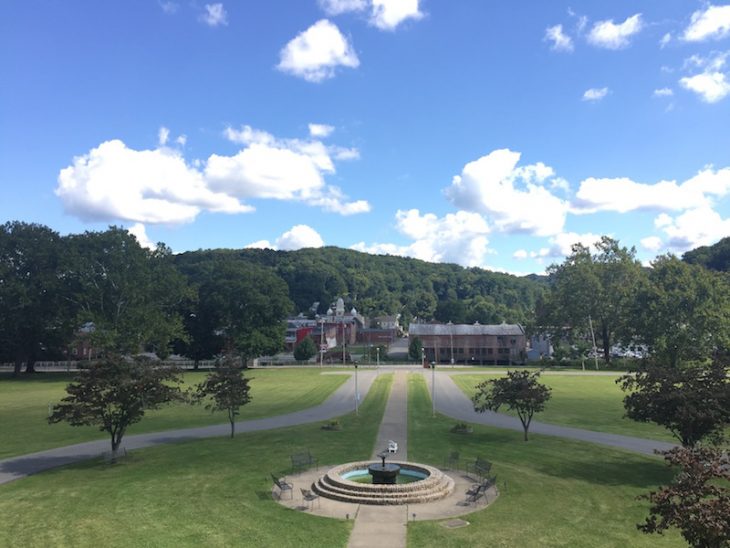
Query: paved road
x=451, y=401
x=342, y=401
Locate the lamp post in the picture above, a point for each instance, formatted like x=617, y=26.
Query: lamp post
x=377, y=354
x=321, y=342
x=357, y=395
x=423, y=356
x=433, y=389
x=451, y=340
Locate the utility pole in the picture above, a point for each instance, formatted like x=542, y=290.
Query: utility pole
x=433, y=389
x=593, y=335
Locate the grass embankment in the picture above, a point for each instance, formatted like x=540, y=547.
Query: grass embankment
x=214, y=492
x=554, y=492
x=24, y=407
x=591, y=402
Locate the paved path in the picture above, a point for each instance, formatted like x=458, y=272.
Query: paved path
x=385, y=526
x=451, y=401
x=342, y=401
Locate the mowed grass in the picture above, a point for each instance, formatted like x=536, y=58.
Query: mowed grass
x=554, y=492
x=24, y=407
x=214, y=492
x=590, y=402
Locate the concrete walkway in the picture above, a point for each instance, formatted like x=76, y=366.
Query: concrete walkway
x=451, y=401
x=385, y=526
x=342, y=401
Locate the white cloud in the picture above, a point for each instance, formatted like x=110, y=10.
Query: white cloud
x=693, y=228
x=138, y=231
x=459, y=237
x=623, y=195
x=713, y=22
x=320, y=130
x=298, y=237
x=114, y=182
x=282, y=169
x=337, y=7
x=215, y=15
x=595, y=94
x=181, y=140
x=710, y=86
x=652, y=243
x=388, y=14
x=163, y=135
x=664, y=42
x=610, y=35
x=520, y=254
x=663, y=92
x=315, y=53
x=513, y=197
x=169, y=7
x=560, y=41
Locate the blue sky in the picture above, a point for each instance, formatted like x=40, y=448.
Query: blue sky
x=489, y=134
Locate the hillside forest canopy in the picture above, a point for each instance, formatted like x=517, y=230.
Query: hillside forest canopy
x=104, y=286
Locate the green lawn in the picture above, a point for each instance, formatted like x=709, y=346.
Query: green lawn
x=554, y=492
x=589, y=402
x=24, y=407
x=214, y=492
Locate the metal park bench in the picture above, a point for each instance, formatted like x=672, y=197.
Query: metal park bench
x=480, y=467
x=452, y=461
x=310, y=497
x=479, y=490
x=303, y=460
x=283, y=485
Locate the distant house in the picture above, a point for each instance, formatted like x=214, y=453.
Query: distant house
x=471, y=344
x=382, y=330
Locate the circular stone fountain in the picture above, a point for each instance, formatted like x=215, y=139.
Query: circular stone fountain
x=424, y=484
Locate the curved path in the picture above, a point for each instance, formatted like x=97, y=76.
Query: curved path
x=342, y=401
x=451, y=401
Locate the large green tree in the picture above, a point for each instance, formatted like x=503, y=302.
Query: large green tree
x=114, y=393
x=592, y=289
x=34, y=317
x=224, y=389
x=130, y=294
x=682, y=312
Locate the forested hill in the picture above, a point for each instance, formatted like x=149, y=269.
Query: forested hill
x=713, y=257
x=383, y=285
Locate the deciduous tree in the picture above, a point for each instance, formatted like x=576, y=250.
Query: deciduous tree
x=225, y=389
x=697, y=502
x=519, y=391
x=114, y=393
x=305, y=350
x=692, y=402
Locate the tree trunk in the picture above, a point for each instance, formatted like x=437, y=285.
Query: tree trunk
x=232, y=419
x=606, y=343
x=18, y=366
x=196, y=364
x=30, y=366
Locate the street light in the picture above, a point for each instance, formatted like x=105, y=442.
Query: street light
x=433, y=389
x=451, y=340
x=377, y=354
x=357, y=394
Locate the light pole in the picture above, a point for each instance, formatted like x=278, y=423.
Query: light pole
x=451, y=340
x=321, y=343
x=357, y=395
x=423, y=356
x=377, y=354
x=433, y=389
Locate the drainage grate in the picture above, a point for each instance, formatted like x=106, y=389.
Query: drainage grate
x=454, y=523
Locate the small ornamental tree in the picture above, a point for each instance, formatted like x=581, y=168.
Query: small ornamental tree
x=225, y=389
x=114, y=394
x=415, y=349
x=520, y=391
x=305, y=350
x=693, y=403
x=697, y=502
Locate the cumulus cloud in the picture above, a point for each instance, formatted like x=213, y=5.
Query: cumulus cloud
x=513, y=197
x=595, y=94
x=459, y=237
x=610, y=35
x=663, y=92
x=215, y=15
x=163, y=135
x=298, y=237
x=693, y=228
x=320, y=130
x=388, y=14
x=114, y=182
x=315, y=53
x=520, y=254
x=652, y=243
x=139, y=231
x=664, y=42
x=710, y=86
x=560, y=41
x=337, y=7
x=623, y=194
x=712, y=22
